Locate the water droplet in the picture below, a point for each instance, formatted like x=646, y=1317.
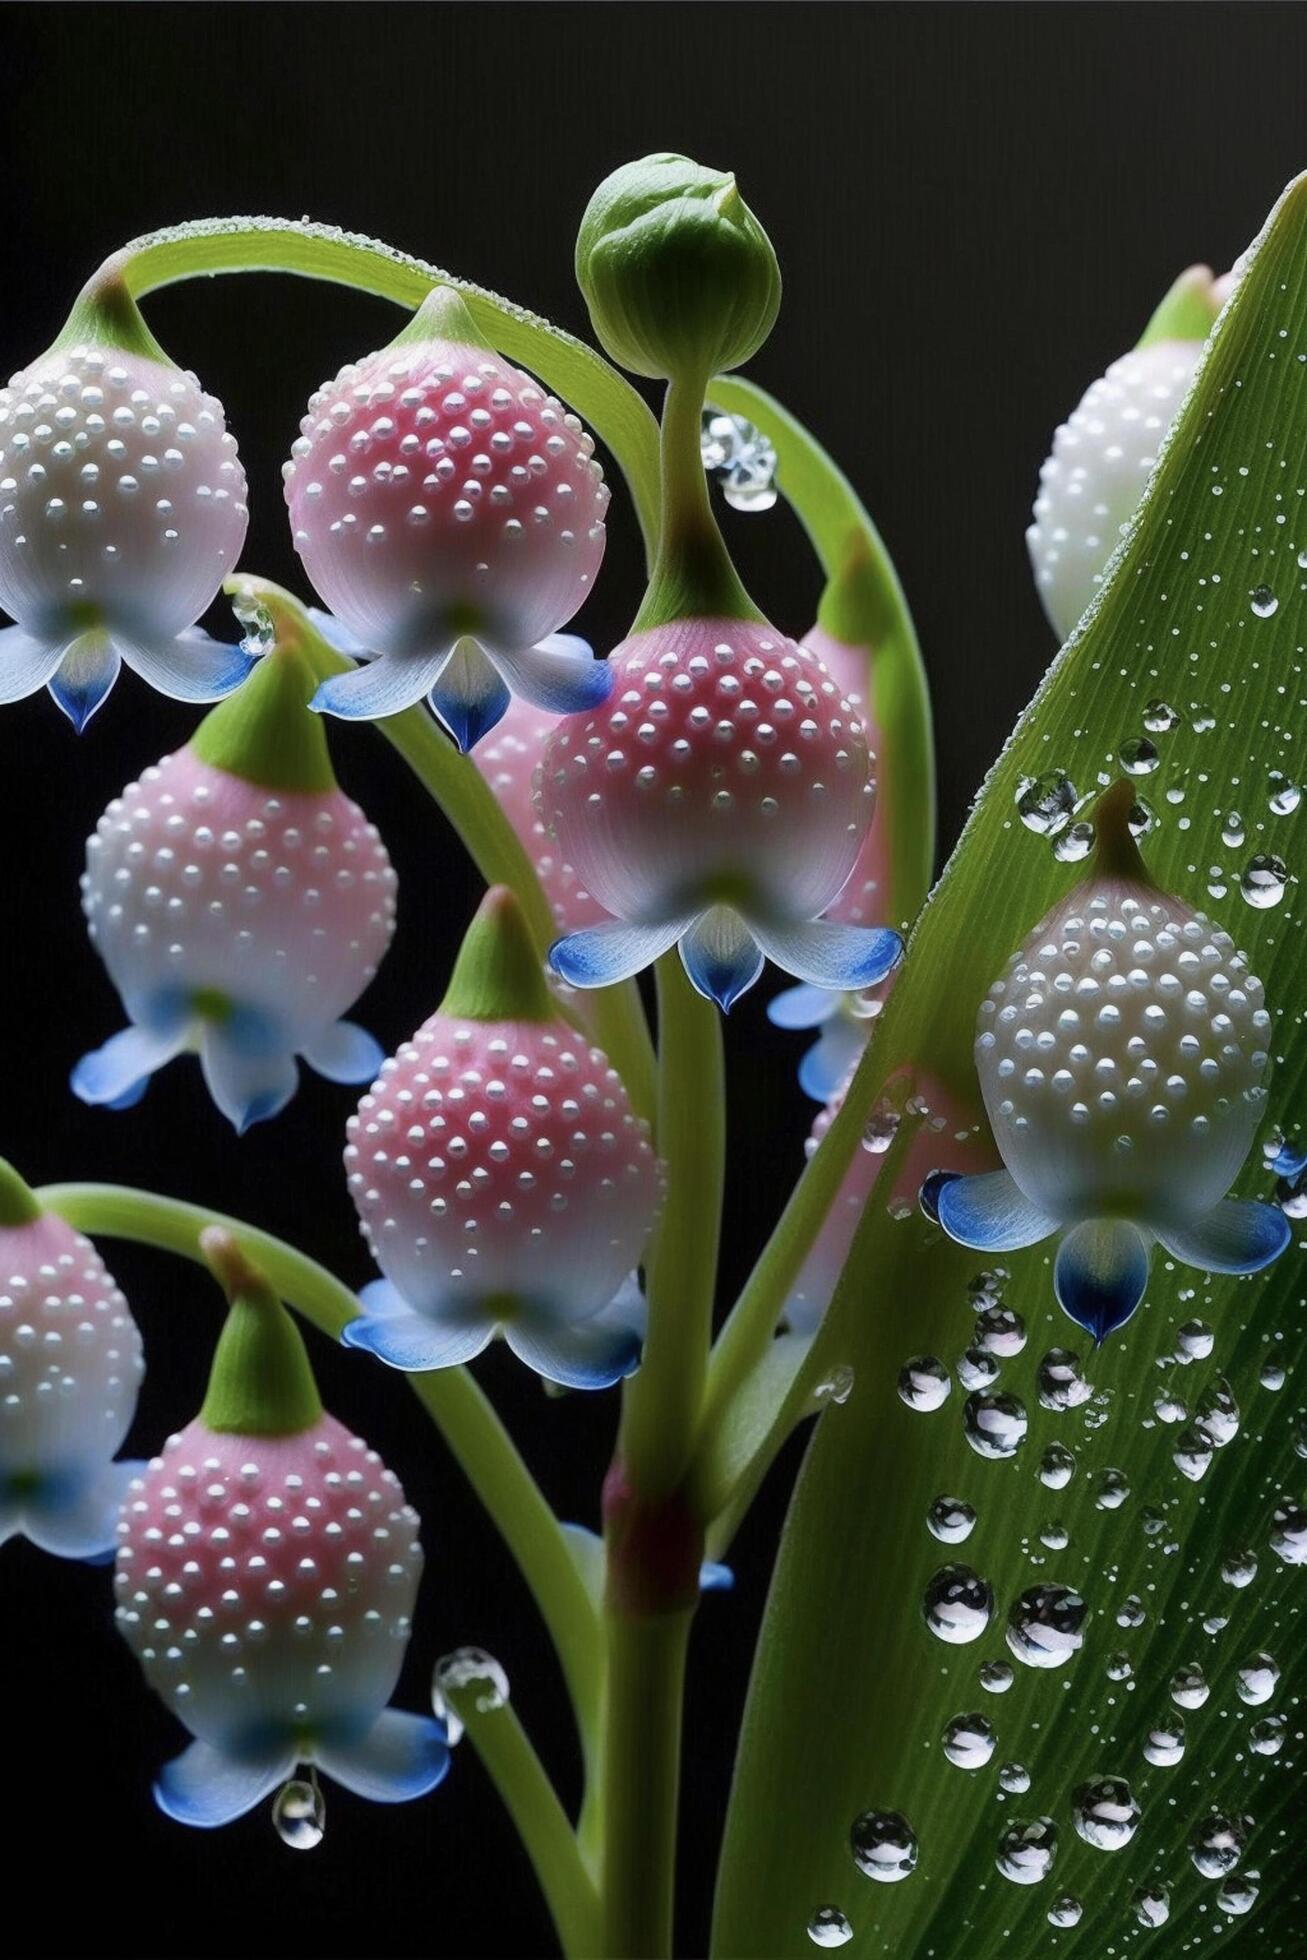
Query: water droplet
x=1218, y=1843
x=1233, y=833
x=1055, y=1535
x=1045, y=803
x=471, y=1668
x=1217, y=1415
x=1119, y=1667
x=951, y=1519
x=1060, y=1381
x=1139, y=756
x=958, y=1604
x=1141, y=819
x=1057, y=1466
x=1264, y=602
x=985, y=1290
x=1263, y=880
x=1239, y=1568
x=1201, y=719
x=1266, y=1738
x=1074, y=844
x=1289, y=1534
x=1164, y=1743
x=994, y=1423
x=442, y=1711
x=1192, y=1455
x=299, y=1813
x=1189, y=1687
x=1014, y=1778
x=1160, y=718
x=829, y=1927
x=837, y=1387
x=1112, y=1490
x=1066, y=1910
x=1283, y=795
x=1272, y=1372
x=977, y=1368
x=996, y=1677
x=1130, y=1613
x=1291, y=1195
x=1151, y=1905
x=750, y=490
x=1000, y=1331
x=1105, y=1813
x=881, y=1128
x=258, y=630
x=1046, y=1625
x=884, y=1845
x=924, y=1383
x=1026, y=1851
x=969, y=1741
x=1237, y=1896
x=1194, y=1342
x=1257, y=1679
x=1168, y=1407
x=745, y=458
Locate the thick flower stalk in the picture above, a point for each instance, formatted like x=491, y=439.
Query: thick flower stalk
x=451, y=514
x=1122, y=1057
x=70, y=1369
x=1103, y=454
x=267, y=1570
x=122, y=509
x=502, y=1180
x=241, y=903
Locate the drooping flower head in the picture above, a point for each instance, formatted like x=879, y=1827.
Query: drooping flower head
x=502, y=1180
x=122, y=509
x=451, y=514
x=70, y=1370
x=267, y=1570
x=1103, y=454
x=241, y=903
x=1122, y=1056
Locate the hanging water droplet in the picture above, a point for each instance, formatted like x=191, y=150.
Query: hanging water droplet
x=884, y=1845
x=745, y=457
x=1000, y=1331
x=1105, y=1813
x=951, y=1519
x=442, y=1711
x=969, y=1741
x=1026, y=1851
x=924, y=1383
x=1236, y=1896
x=1283, y=794
x=996, y=1677
x=472, y=1669
x=299, y=1813
x=1045, y=803
x=1189, y=1687
x=1263, y=880
x=1014, y=1778
x=1272, y=1372
x=750, y=490
x=881, y=1128
x=1218, y=1843
x=829, y=1927
x=1112, y=1490
x=1257, y=1679
x=1057, y=1466
x=258, y=630
x=994, y=1423
x=1239, y=1568
x=977, y=1368
x=1046, y=1625
x=1066, y=1910
x=1192, y=1455
x=1266, y=1738
x=1138, y=755
x=1194, y=1342
x=1164, y=1743
x=1289, y=1534
x=957, y=1604
x=1160, y=718
x=1151, y=1905
x=837, y=1387
x=1074, y=844
x=1060, y=1381
x=1264, y=602
x=1217, y=1416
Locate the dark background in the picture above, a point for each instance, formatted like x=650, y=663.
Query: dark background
x=975, y=208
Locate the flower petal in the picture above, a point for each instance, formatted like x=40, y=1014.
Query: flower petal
x=417, y=1342
x=829, y=1060
x=79, y=1519
x=715, y=1577
x=592, y=1353
x=830, y=955
x=192, y=667
x=803, y=1006
x=388, y=684
x=1100, y=1274
x=249, y=1081
x=721, y=956
x=400, y=1757
x=207, y=1787
x=26, y=663
x=1239, y=1235
x=560, y=675
x=115, y=1075
x=989, y=1211
x=344, y=1052
x=335, y=632
x=81, y=682
x=599, y=956
x=469, y=696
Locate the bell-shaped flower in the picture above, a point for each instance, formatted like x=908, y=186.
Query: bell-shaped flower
x=267, y=1570
x=450, y=513
x=241, y=903
x=502, y=1180
x=1103, y=454
x=719, y=801
x=1122, y=1056
x=70, y=1370
x=122, y=509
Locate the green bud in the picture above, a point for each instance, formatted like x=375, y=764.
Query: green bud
x=679, y=276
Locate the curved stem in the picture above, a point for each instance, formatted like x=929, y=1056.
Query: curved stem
x=692, y=575
x=641, y=1781
x=598, y=393
x=539, y=1819
x=463, y=1415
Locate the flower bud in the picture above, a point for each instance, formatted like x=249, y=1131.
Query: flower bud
x=502, y=1180
x=241, y=904
x=267, y=1570
x=451, y=514
x=70, y=1367
x=679, y=276
x=122, y=509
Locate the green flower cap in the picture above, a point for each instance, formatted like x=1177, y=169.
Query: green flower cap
x=265, y=732
x=679, y=276
x=104, y=314
x=18, y=1205
x=1188, y=310
x=855, y=607
x=261, y=1383
x=1116, y=854
x=499, y=974
x=443, y=315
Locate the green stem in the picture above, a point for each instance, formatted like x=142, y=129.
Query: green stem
x=464, y=1416
x=587, y=382
x=539, y=1819
x=641, y=1780
x=662, y=1401
x=692, y=576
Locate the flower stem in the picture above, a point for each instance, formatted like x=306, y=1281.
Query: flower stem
x=641, y=1779
x=692, y=576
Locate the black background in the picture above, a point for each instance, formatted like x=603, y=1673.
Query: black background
x=975, y=209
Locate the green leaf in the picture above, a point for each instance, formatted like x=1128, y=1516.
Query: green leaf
x=851, y=1692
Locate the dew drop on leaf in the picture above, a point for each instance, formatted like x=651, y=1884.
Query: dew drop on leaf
x=1164, y=1743
x=1105, y=1813
x=1257, y=1679
x=471, y=1668
x=1111, y=1490
x=951, y=1519
x=977, y=1368
x=957, y=1605
x=1283, y=795
x=884, y=1845
x=1237, y=1895
x=1060, y=1380
x=1045, y=803
x=1000, y=1331
x=1074, y=843
x=1057, y=1466
x=1160, y=718
x=1263, y=880
x=829, y=1927
x=1194, y=1342
x=995, y=1423
x=996, y=1677
x=1066, y=1910
x=1218, y=1843
x=1266, y=1738
x=1151, y=1905
x=1264, y=602
x=1289, y=1534
x=1239, y=1568
x=924, y=1383
x=969, y=1741
x=1014, y=1778
x=1046, y=1625
x=1189, y=1687
x=1026, y=1851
